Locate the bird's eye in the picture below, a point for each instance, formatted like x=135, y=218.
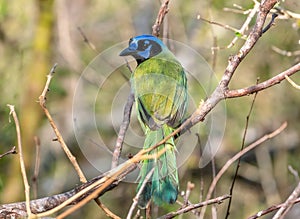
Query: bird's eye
x=143, y=45
x=130, y=40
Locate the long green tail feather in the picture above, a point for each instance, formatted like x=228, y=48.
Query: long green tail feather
x=163, y=185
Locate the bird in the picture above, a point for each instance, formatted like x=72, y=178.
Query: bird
x=159, y=85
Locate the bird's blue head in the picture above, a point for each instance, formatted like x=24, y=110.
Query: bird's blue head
x=143, y=47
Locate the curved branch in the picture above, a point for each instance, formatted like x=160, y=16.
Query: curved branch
x=264, y=85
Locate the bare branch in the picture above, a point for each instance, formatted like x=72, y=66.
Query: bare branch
x=292, y=82
x=164, y=9
x=191, y=207
x=286, y=53
x=36, y=166
x=136, y=198
x=266, y=84
x=42, y=101
x=239, y=160
x=236, y=157
x=72, y=158
x=270, y=209
x=11, y=151
x=22, y=164
x=288, y=204
x=86, y=40
x=122, y=131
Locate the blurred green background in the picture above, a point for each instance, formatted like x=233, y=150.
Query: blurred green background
x=36, y=34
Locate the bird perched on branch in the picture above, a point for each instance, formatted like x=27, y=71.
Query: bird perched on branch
x=160, y=87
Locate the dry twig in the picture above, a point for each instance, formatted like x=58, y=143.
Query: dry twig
x=288, y=204
x=36, y=166
x=22, y=164
x=270, y=209
x=239, y=160
x=236, y=157
x=122, y=131
x=136, y=198
x=72, y=158
x=292, y=82
x=164, y=9
x=11, y=151
x=190, y=207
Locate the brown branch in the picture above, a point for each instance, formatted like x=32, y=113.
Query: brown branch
x=292, y=82
x=164, y=9
x=191, y=207
x=36, y=166
x=72, y=158
x=288, y=204
x=22, y=164
x=87, y=41
x=136, y=198
x=42, y=101
x=39, y=206
x=11, y=151
x=264, y=85
x=122, y=131
x=236, y=157
x=270, y=209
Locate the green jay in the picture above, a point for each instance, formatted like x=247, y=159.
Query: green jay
x=159, y=85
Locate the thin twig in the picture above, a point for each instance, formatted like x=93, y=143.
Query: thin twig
x=288, y=204
x=122, y=131
x=42, y=101
x=225, y=26
x=36, y=166
x=286, y=53
x=239, y=160
x=136, y=198
x=292, y=82
x=294, y=172
x=189, y=187
x=11, y=151
x=22, y=164
x=164, y=9
x=86, y=40
x=236, y=157
x=270, y=209
x=190, y=207
x=270, y=23
x=263, y=85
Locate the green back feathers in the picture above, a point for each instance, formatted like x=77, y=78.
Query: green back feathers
x=160, y=88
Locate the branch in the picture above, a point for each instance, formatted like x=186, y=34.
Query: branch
x=23, y=170
x=292, y=82
x=288, y=204
x=72, y=158
x=122, y=131
x=239, y=160
x=164, y=9
x=270, y=209
x=42, y=101
x=236, y=157
x=11, y=151
x=264, y=85
x=71, y=197
x=191, y=207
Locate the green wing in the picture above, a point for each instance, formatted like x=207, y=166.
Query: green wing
x=159, y=85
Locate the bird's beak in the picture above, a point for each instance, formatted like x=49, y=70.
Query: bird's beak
x=126, y=52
